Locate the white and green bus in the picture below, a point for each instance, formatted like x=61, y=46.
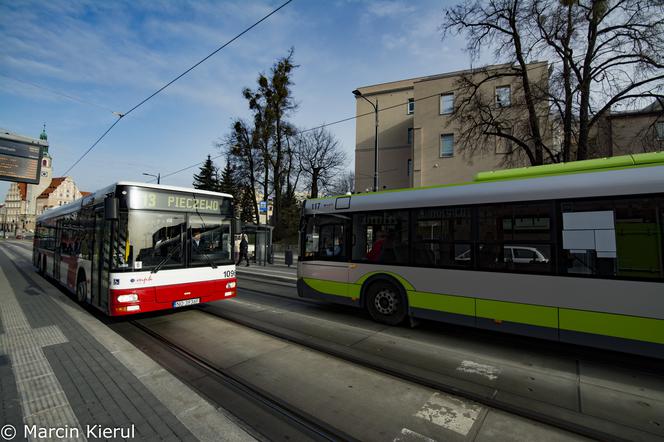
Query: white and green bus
x=569, y=252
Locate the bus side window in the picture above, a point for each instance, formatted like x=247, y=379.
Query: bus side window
x=382, y=237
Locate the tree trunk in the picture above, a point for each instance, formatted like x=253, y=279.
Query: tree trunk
x=567, y=72
x=314, y=182
x=527, y=91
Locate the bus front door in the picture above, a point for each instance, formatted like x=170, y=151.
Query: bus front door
x=97, y=259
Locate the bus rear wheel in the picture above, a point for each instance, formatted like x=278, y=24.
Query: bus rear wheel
x=386, y=303
x=81, y=289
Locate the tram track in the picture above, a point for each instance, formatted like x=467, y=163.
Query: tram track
x=305, y=425
x=559, y=417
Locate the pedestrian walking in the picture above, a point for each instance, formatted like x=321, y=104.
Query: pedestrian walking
x=244, y=250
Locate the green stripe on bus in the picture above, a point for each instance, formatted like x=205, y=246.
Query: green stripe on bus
x=407, y=285
x=513, y=312
x=443, y=303
x=608, y=324
x=330, y=287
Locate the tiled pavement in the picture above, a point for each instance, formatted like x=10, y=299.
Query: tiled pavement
x=54, y=374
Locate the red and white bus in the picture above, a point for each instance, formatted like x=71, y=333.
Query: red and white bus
x=135, y=247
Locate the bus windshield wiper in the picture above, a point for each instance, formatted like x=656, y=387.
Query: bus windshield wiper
x=207, y=257
x=170, y=253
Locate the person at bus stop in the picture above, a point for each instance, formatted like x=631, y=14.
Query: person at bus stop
x=377, y=247
x=244, y=250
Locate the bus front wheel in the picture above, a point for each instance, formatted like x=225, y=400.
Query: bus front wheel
x=386, y=303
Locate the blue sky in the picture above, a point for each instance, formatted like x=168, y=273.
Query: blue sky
x=114, y=54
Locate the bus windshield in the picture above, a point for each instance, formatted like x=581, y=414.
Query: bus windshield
x=156, y=239
x=210, y=240
x=153, y=240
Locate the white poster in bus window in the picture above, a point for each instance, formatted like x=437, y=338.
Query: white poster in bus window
x=590, y=231
x=138, y=265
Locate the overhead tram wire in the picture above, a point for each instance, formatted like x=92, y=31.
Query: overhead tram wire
x=343, y=120
x=122, y=115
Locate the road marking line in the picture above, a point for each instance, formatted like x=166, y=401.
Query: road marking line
x=412, y=436
x=450, y=413
x=488, y=371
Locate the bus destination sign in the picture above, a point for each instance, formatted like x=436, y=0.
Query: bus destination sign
x=176, y=201
x=19, y=161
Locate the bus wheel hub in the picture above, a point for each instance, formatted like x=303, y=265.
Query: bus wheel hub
x=386, y=302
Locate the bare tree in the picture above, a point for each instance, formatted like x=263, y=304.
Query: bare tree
x=603, y=54
x=271, y=103
x=343, y=184
x=242, y=146
x=487, y=122
x=321, y=159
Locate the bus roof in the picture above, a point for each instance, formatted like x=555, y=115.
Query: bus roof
x=100, y=194
x=628, y=180
x=174, y=188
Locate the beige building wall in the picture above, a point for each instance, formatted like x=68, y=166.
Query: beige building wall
x=62, y=191
x=625, y=133
x=427, y=166
x=393, y=147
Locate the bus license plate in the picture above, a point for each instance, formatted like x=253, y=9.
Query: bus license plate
x=186, y=302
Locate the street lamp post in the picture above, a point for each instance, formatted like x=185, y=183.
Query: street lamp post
x=158, y=176
x=357, y=93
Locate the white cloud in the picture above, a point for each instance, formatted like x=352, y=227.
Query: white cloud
x=389, y=8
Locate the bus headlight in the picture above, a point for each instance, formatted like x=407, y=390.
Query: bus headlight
x=230, y=285
x=132, y=297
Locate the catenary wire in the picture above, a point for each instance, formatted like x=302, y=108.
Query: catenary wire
x=343, y=120
x=122, y=115
x=307, y=130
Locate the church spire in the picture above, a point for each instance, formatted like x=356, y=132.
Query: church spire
x=43, y=135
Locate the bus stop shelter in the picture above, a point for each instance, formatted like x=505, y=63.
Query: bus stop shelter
x=260, y=242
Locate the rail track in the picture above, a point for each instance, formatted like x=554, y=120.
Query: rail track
x=301, y=422
x=556, y=416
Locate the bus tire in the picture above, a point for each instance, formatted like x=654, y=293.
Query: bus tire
x=81, y=288
x=386, y=303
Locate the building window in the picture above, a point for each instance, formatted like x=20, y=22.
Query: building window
x=409, y=170
x=446, y=104
x=503, y=96
x=411, y=106
x=447, y=145
x=659, y=128
x=410, y=135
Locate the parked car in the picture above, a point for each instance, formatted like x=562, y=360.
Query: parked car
x=516, y=254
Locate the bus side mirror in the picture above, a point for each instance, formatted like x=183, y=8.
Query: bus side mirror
x=237, y=226
x=111, y=208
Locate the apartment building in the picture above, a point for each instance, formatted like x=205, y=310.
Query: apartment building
x=627, y=132
x=419, y=130
x=61, y=191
